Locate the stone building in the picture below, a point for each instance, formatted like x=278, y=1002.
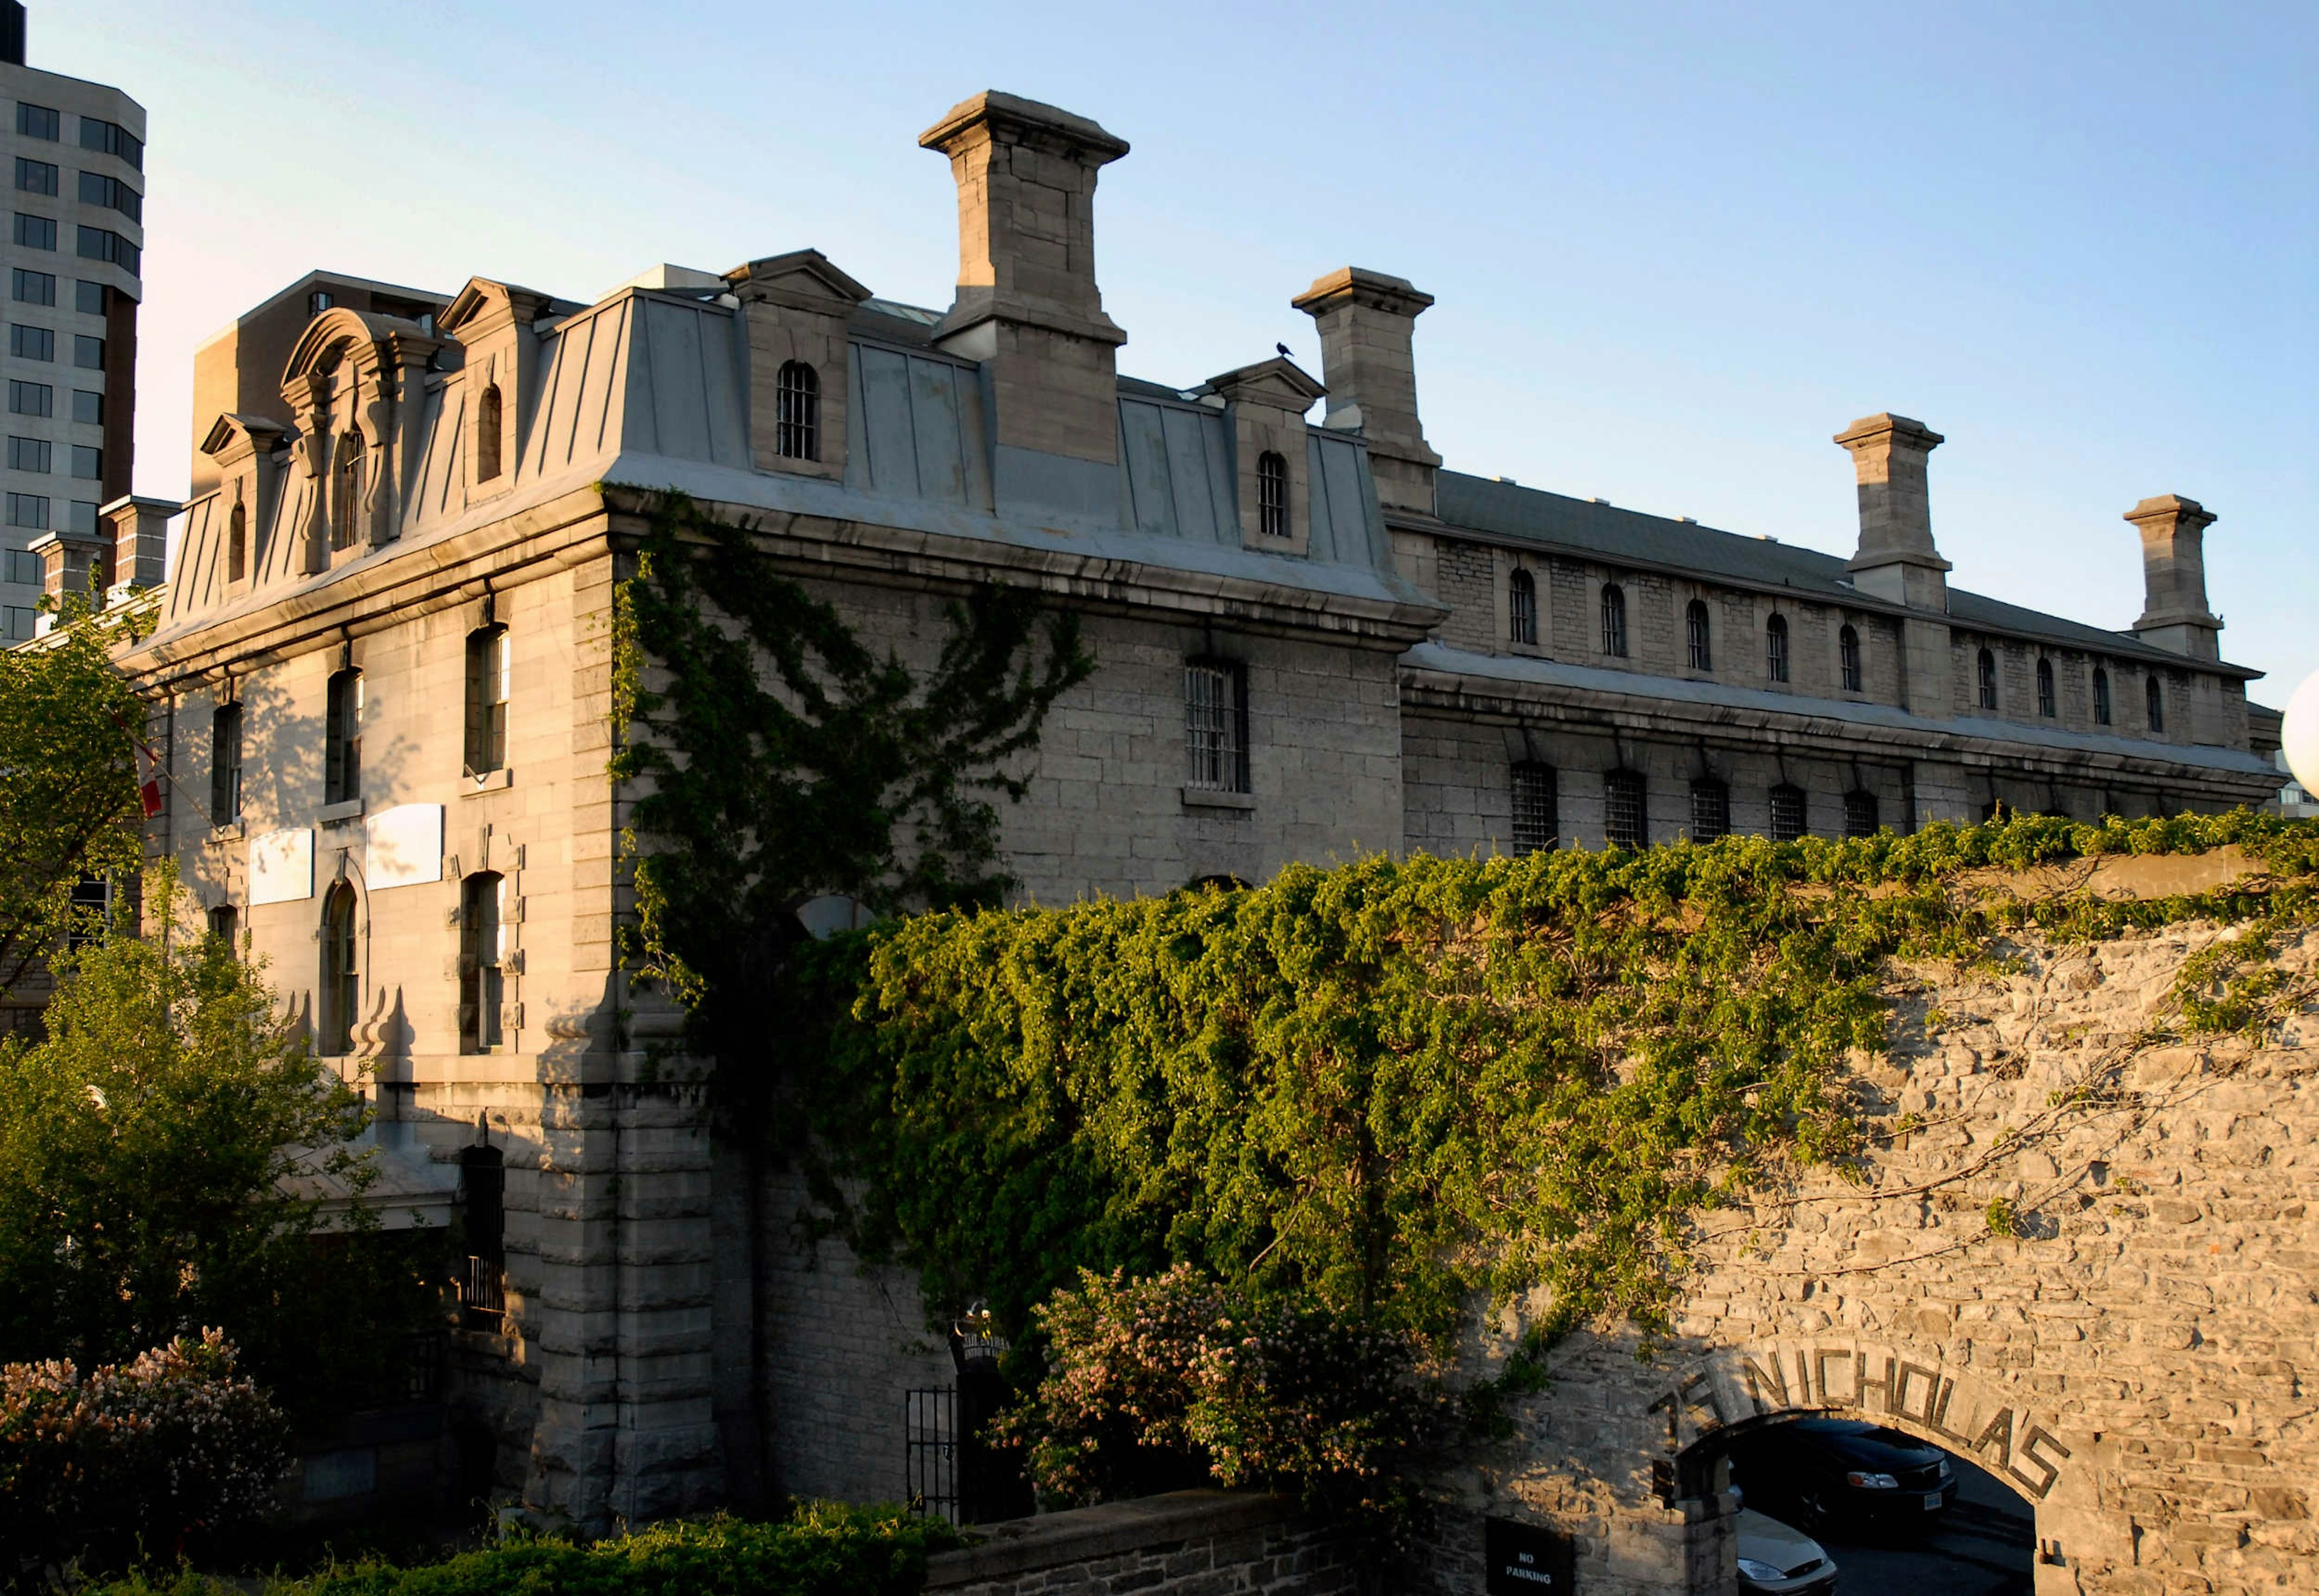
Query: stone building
x=73, y=253
x=381, y=658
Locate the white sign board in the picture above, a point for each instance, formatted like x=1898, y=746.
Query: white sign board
x=282, y=867
x=2299, y=735
x=402, y=846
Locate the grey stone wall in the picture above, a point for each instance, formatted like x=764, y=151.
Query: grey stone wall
x=1186, y=1543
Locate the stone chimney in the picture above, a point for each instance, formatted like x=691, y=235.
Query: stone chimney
x=2174, y=614
x=1027, y=305
x=71, y=562
x=1897, y=561
x=1367, y=320
x=140, y=543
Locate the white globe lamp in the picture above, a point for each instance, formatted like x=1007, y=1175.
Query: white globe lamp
x=2298, y=734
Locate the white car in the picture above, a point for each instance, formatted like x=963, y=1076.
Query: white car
x=1777, y=1561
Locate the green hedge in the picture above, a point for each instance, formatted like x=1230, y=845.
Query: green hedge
x=824, y=1549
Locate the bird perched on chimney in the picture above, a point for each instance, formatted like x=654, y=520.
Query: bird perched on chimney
x=1285, y=355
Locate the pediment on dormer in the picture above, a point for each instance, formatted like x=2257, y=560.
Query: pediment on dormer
x=474, y=308
x=1279, y=382
x=802, y=277
x=261, y=435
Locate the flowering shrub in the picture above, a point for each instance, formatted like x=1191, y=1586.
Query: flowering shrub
x=143, y=1455
x=1158, y=1382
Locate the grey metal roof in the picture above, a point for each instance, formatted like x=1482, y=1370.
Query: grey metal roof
x=1532, y=514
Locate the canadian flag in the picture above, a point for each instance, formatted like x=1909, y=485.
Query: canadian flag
x=148, y=769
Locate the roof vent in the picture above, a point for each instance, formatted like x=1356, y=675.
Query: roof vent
x=1765, y=537
x=1508, y=480
x=1687, y=521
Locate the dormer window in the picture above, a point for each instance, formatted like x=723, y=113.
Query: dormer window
x=1521, y=607
x=488, y=415
x=1272, y=494
x=237, y=544
x=797, y=412
x=346, y=498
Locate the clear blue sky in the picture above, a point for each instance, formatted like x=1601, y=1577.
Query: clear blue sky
x=1675, y=247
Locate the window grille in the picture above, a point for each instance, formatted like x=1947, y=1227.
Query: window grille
x=1271, y=494
x=1787, y=812
x=2156, y=701
x=481, y=1277
x=483, y=967
x=2101, y=697
x=2045, y=688
x=346, y=500
x=342, y=982
x=1625, y=821
x=489, y=669
x=488, y=419
x=342, y=738
x=1614, y=620
x=1698, y=637
x=1847, y=648
x=1215, y=726
x=1521, y=607
x=930, y=1454
x=1776, y=647
x=1860, y=813
x=225, y=764
x=1537, y=819
x=797, y=412
x=1711, y=810
x=1987, y=677
x=237, y=544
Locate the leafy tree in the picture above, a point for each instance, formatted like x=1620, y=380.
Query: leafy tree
x=149, y=1154
x=67, y=781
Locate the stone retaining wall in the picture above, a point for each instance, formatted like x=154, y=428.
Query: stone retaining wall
x=1185, y=1542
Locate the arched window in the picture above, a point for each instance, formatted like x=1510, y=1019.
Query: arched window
x=1985, y=676
x=488, y=419
x=797, y=412
x=346, y=497
x=1860, y=813
x=1271, y=494
x=1698, y=637
x=2101, y=696
x=2045, y=706
x=1847, y=650
x=1711, y=810
x=482, y=1211
x=483, y=961
x=489, y=671
x=339, y=991
x=342, y=737
x=1537, y=819
x=1775, y=648
x=1521, y=607
x=1614, y=620
x=1787, y=812
x=237, y=544
x=1626, y=819
x=2156, y=699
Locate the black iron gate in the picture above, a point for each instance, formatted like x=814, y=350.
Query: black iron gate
x=931, y=1453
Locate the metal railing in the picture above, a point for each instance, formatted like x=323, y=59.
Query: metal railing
x=483, y=1293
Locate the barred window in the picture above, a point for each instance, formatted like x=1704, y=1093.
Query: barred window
x=1860, y=813
x=1847, y=649
x=1698, y=637
x=339, y=993
x=490, y=678
x=489, y=418
x=1271, y=494
x=1775, y=648
x=2156, y=701
x=1625, y=822
x=1787, y=812
x=1614, y=620
x=1537, y=819
x=225, y=764
x=1711, y=810
x=1521, y=607
x=237, y=544
x=2045, y=688
x=797, y=412
x=1215, y=726
x=1986, y=676
x=342, y=738
x=346, y=498
x=2101, y=696
x=482, y=976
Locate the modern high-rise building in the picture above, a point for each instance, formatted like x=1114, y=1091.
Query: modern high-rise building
x=74, y=154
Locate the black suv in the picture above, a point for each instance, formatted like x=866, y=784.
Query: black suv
x=1842, y=1473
